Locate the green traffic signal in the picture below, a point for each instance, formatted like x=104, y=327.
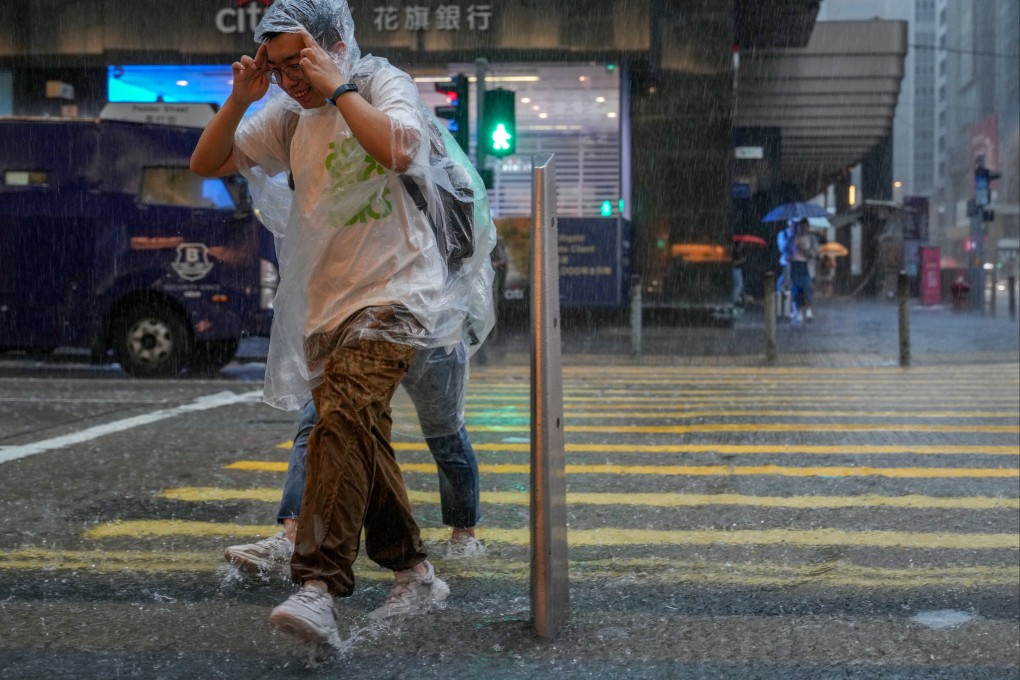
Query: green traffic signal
x=499, y=131
x=501, y=138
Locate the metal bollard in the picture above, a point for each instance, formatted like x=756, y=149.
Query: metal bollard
x=995, y=282
x=635, y=315
x=902, y=290
x=550, y=582
x=770, y=317
x=1012, y=296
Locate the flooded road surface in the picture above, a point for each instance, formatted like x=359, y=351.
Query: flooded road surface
x=831, y=516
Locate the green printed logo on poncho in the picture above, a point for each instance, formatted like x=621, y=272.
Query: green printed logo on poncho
x=349, y=169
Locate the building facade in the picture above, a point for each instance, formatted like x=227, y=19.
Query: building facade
x=671, y=163
x=961, y=94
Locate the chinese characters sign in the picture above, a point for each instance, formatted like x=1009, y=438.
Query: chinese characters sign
x=446, y=17
x=244, y=15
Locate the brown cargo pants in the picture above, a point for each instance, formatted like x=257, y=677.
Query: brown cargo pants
x=353, y=481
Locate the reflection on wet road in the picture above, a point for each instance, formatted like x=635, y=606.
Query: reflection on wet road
x=721, y=519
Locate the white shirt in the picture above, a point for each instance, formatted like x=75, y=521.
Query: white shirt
x=352, y=237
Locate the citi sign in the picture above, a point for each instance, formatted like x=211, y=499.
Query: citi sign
x=243, y=17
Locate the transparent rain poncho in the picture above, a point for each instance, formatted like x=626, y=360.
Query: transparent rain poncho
x=348, y=234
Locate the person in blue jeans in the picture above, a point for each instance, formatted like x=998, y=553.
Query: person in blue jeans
x=436, y=382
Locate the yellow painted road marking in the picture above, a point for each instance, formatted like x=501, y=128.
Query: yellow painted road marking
x=843, y=449
x=811, y=370
x=669, y=384
x=651, y=570
x=992, y=394
x=694, y=470
x=668, y=500
x=613, y=536
x=763, y=427
x=673, y=414
x=739, y=449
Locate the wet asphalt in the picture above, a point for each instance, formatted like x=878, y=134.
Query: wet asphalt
x=830, y=514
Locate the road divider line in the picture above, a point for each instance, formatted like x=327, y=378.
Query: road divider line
x=694, y=470
x=638, y=570
x=209, y=401
x=990, y=396
x=667, y=500
x=739, y=449
x=610, y=536
x=761, y=427
x=736, y=449
x=622, y=412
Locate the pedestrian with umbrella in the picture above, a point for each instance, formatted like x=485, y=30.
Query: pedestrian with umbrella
x=791, y=213
x=803, y=252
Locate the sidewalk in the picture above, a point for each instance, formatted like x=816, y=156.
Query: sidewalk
x=846, y=332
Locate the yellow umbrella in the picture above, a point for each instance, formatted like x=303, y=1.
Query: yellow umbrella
x=834, y=249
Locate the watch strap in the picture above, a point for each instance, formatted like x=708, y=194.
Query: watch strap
x=346, y=87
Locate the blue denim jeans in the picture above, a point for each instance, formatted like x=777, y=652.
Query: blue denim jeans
x=801, y=289
x=436, y=382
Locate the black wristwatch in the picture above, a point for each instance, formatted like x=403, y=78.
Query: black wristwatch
x=346, y=87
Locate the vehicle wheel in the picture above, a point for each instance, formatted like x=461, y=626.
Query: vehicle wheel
x=151, y=341
x=212, y=355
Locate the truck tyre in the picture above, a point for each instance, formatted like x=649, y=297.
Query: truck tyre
x=151, y=341
x=212, y=355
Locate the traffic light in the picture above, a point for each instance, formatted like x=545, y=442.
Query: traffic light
x=456, y=111
x=983, y=177
x=499, y=131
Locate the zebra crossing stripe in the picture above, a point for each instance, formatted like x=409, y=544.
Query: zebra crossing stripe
x=613, y=536
x=697, y=470
x=668, y=500
x=784, y=449
x=640, y=570
x=758, y=428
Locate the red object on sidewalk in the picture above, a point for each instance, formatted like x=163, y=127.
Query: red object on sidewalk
x=931, y=275
x=959, y=289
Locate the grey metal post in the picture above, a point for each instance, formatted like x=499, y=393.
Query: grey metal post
x=1012, y=295
x=901, y=291
x=770, y=317
x=550, y=585
x=635, y=314
x=995, y=282
x=481, y=67
x=976, y=272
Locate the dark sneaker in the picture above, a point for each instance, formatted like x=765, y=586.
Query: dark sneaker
x=309, y=615
x=269, y=554
x=413, y=595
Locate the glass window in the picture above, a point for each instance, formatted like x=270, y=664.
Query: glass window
x=183, y=188
x=26, y=178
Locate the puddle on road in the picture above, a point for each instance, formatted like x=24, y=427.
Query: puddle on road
x=942, y=618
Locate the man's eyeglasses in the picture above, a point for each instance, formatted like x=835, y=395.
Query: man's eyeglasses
x=292, y=71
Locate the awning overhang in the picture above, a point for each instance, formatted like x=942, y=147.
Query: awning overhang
x=832, y=100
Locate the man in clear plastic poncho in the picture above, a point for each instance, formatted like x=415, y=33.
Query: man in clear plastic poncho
x=363, y=287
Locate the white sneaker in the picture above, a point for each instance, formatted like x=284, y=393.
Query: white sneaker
x=269, y=554
x=808, y=315
x=309, y=614
x=464, y=547
x=413, y=595
x=795, y=319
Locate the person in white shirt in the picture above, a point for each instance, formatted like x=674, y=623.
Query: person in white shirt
x=804, y=251
x=364, y=285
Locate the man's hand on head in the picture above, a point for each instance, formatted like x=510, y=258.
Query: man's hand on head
x=251, y=81
x=321, y=69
